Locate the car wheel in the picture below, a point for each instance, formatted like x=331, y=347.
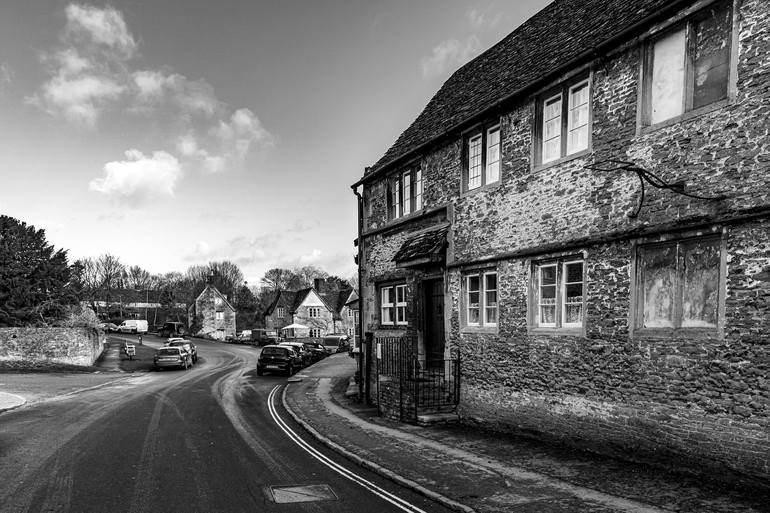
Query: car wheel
x=290, y=370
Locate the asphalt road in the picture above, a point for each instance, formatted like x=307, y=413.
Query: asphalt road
x=214, y=438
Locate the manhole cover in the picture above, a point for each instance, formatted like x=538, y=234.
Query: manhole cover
x=302, y=493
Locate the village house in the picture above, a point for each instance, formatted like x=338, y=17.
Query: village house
x=572, y=240
x=214, y=313
x=322, y=309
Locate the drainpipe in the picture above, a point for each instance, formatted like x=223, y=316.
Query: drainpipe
x=363, y=355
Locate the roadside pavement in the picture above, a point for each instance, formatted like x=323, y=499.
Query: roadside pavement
x=469, y=469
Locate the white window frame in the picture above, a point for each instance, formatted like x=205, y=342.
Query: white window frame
x=280, y=312
x=217, y=301
x=482, y=160
x=314, y=312
x=482, y=306
x=559, y=265
x=406, y=193
x=400, y=305
x=219, y=316
x=387, y=306
x=315, y=333
x=565, y=118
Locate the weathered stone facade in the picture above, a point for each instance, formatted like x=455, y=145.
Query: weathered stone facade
x=702, y=397
x=217, y=315
x=35, y=347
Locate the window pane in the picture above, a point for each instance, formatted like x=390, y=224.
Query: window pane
x=700, y=292
x=397, y=199
x=667, y=88
x=573, y=272
x=407, y=196
x=658, y=269
x=578, y=118
x=474, y=162
x=474, y=299
x=712, y=57
x=552, y=129
x=401, y=315
x=548, y=275
x=401, y=294
x=418, y=190
x=493, y=155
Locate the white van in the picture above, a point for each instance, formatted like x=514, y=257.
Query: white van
x=133, y=326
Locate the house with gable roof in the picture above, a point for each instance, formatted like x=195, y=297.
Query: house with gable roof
x=323, y=309
x=215, y=314
x=578, y=224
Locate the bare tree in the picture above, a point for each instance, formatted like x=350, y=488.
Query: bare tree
x=227, y=277
x=110, y=271
x=89, y=279
x=276, y=278
x=137, y=278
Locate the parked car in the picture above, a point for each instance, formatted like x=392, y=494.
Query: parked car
x=171, y=357
x=263, y=337
x=336, y=343
x=304, y=353
x=172, y=329
x=276, y=358
x=108, y=327
x=317, y=350
x=133, y=326
x=186, y=344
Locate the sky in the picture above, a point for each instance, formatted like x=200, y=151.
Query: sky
x=172, y=133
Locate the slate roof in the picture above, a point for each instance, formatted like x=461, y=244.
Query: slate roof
x=284, y=299
x=428, y=245
x=564, y=32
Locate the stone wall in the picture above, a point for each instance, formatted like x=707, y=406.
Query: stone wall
x=45, y=346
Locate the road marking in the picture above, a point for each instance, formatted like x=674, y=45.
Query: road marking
x=376, y=490
x=307, y=493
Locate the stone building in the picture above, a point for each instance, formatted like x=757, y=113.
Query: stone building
x=323, y=308
x=215, y=313
x=579, y=219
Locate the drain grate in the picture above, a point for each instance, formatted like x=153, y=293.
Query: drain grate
x=302, y=493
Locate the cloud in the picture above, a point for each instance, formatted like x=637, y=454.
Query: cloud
x=311, y=258
x=449, y=55
x=6, y=76
x=93, y=70
x=139, y=178
x=481, y=20
x=105, y=27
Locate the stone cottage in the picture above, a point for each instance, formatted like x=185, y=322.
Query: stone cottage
x=215, y=313
x=579, y=220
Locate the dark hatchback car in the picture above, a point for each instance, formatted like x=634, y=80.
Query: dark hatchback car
x=317, y=350
x=278, y=359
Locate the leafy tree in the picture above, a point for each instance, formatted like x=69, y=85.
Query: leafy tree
x=36, y=282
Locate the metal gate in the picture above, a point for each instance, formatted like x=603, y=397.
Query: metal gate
x=407, y=386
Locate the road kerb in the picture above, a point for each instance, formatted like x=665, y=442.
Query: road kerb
x=374, y=467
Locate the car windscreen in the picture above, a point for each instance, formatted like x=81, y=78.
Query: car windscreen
x=274, y=351
x=331, y=341
x=168, y=352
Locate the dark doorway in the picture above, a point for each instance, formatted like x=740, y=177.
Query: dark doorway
x=434, y=322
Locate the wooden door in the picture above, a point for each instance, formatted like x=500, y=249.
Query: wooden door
x=434, y=322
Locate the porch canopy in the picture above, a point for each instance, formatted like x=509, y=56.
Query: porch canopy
x=428, y=247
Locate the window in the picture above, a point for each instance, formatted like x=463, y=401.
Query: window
x=563, y=121
x=678, y=284
x=281, y=312
x=315, y=332
x=482, y=158
x=481, y=299
x=350, y=313
x=217, y=301
x=220, y=316
x=405, y=194
x=393, y=305
x=688, y=67
x=558, y=294
x=314, y=312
